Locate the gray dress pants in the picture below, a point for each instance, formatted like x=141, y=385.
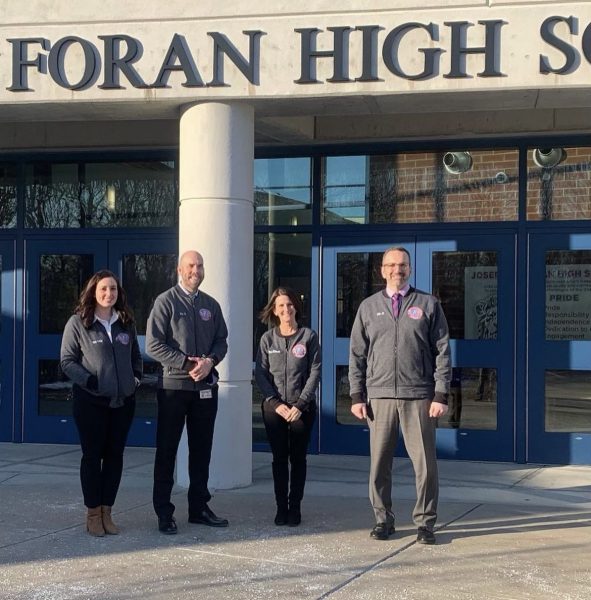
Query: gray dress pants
x=385, y=417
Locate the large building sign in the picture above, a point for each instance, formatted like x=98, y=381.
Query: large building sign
x=348, y=54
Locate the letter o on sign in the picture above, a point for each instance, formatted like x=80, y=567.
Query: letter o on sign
x=56, y=62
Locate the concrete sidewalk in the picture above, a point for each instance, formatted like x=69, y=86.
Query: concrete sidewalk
x=506, y=531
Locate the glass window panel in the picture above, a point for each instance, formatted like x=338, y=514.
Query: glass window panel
x=62, y=277
x=281, y=259
x=7, y=195
x=472, y=399
x=259, y=435
x=560, y=192
x=568, y=295
x=358, y=276
x=127, y=194
x=55, y=390
x=144, y=277
x=146, y=404
x=283, y=191
x=568, y=401
x=466, y=284
x=416, y=187
x=344, y=415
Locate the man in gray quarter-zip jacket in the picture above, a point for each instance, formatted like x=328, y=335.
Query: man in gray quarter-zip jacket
x=186, y=333
x=399, y=375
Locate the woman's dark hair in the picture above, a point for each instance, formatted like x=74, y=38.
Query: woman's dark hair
x=87, y=302
x=266, y=315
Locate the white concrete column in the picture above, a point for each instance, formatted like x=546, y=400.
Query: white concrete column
x=216, y=218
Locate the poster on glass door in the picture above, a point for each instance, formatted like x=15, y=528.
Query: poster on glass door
x=568, y=302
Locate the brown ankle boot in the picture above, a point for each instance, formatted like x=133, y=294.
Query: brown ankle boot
x=94, y=522
x=108, y=524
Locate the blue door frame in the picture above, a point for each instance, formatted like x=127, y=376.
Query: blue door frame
x=563, y=447
x=8, y=320
x=471, y=444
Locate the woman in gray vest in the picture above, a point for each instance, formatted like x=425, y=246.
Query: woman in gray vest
x=100, y=354
x=288, y=372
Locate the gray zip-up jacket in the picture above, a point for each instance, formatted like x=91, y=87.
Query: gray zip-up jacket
x=87, y=352
x=179, y=327
x=407, y=357
x=288, y=368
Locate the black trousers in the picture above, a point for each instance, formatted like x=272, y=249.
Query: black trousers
x=289, y=445
x=103, y=433
x=175, y=408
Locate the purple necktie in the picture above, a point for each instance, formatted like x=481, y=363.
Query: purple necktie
x=396, y=298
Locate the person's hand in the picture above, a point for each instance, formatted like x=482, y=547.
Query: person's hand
x=283, y=411
x=437, y=409
x=202, y=368
x=359, y=409
x=294, y=414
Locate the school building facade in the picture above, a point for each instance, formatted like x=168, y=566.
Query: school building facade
x=292, y=147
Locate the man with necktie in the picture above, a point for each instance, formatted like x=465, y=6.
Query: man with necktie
x=399, y=376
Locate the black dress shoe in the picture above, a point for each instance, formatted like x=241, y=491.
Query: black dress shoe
x=425, y=536
x=167, y=525
x=382, y=531
x=281, y=517
x=208, y=517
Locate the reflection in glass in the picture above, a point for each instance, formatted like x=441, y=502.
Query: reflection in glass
x=472, y=399
x=7, y=195
x=415, y=187
x=55, y=390
x=146, y=404
x=568, y=295
x=144, y=277
x=259, y=435
x=466, y=285
x=562, y=192
x=344, y=415
x=281, y=259
x=358, y=276
x=283, y=191
x=61, y=279
x=568, y=401
x=78, y=195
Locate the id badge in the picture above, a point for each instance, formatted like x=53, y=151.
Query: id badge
x=205, y=394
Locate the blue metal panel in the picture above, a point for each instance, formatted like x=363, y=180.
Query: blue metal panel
x=8, y=319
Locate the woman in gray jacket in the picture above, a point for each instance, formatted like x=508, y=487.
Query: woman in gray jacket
x=101, y=355
x=288, y=372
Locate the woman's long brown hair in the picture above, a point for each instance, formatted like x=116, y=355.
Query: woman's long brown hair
x=87, y=302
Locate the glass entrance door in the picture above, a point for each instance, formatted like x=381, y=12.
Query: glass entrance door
x=8, y=319
x=473, y=277
x=559, y=349
x=56, y=272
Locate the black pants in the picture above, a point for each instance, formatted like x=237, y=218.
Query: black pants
x=175, y=408
x=103, y=433
x=289, y=445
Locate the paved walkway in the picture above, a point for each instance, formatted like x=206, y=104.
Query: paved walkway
x=505, y=532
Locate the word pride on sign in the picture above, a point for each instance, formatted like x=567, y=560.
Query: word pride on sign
x=117, y=57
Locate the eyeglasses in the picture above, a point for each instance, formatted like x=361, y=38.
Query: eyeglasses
x=393, y=265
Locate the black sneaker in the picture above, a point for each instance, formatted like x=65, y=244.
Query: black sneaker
x=425, y=536
x=382, y=531
x=167, y=525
